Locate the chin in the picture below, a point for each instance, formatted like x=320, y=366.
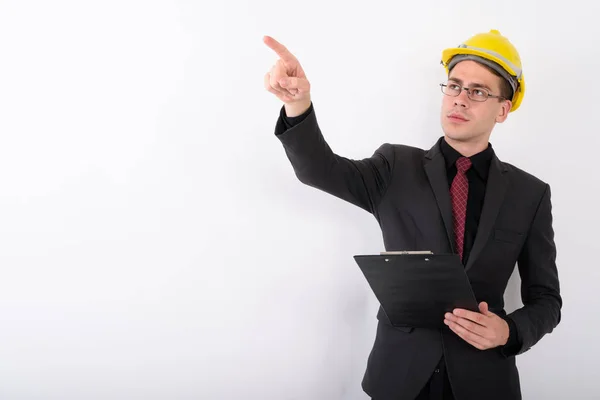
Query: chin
x=456, y=133
x=459, y=135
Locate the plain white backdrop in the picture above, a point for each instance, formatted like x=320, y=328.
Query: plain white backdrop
x=154, y=241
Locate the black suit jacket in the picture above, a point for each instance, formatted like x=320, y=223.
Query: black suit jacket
x=406, y=190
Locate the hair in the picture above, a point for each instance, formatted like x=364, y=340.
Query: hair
x=505, y=89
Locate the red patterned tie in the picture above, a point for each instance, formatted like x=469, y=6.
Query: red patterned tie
x=459, y=193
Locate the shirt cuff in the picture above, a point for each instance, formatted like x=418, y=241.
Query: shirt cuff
x=513, y=345
x=290, y=122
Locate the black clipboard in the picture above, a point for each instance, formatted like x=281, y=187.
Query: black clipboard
x=416, y=290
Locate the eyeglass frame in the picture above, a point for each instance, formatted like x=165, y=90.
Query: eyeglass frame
x=468, y=90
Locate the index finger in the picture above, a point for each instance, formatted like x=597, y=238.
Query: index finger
x=278, y=48
x=470, y=315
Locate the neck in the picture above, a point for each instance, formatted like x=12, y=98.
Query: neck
x=467, y=148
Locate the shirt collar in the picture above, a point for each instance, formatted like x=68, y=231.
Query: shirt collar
x=481, y=161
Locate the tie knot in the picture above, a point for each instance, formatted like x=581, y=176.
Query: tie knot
x=463, y=164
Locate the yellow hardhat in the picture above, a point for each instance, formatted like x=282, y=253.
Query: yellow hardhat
x=486, y=47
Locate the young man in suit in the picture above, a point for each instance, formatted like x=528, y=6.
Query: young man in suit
x=456, y=197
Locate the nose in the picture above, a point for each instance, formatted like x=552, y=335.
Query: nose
x=462, y=100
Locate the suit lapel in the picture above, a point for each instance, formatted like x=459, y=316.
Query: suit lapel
x=494, y=196
x=435, y=169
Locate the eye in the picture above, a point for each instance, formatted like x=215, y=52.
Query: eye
x=480, y=92
x=453, y=86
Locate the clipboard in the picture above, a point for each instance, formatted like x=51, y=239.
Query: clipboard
x=416, y=289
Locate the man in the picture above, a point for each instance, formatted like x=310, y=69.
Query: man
x=456, y=197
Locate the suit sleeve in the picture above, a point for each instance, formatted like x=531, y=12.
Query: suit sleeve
x=540, y=289
x=359, y=182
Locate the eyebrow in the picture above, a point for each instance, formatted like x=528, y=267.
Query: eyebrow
x=475, y=84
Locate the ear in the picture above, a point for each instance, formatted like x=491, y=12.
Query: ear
x=505, y=107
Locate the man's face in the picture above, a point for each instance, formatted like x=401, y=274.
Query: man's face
x=467, y=120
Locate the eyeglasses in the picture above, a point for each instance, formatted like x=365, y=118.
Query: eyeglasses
x=475, y=94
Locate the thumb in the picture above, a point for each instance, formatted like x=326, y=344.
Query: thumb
x=300, y=84
x=483, y=308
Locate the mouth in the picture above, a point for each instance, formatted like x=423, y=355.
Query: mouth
x=457, y=118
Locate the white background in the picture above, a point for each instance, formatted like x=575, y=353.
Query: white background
x=154, y=242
